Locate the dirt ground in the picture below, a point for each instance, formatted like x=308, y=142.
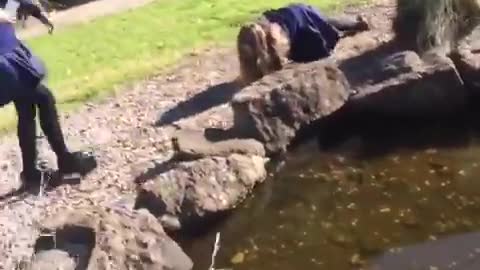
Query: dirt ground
x=122, y=134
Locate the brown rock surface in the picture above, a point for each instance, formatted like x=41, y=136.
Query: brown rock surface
x=403, y=84
x=192, y=144
x=201, y=188
x=467, y=61
x=121, y=239
x=274, y=108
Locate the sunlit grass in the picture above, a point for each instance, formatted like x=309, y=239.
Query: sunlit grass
x=87, y=61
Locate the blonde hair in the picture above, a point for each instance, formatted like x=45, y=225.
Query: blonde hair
x=262, y=49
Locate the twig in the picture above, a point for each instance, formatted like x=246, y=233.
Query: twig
x=216, y=248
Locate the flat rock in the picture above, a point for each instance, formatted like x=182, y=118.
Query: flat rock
x=193, y=191
x=403, y=84
x=53, y=259
x=193, y=144
x=119, y=240
x=274, y=108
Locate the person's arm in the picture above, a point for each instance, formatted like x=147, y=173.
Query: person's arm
x=30, y=8
x=5, y=17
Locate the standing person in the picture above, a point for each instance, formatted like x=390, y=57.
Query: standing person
x=297, y=32
x=21, y=74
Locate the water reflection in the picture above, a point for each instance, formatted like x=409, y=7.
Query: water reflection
x=341, y=209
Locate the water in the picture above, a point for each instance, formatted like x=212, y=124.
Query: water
x=340, y=209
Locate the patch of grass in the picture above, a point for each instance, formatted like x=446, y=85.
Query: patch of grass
x=88, y=61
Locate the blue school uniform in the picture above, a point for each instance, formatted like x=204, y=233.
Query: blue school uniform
x=20, y=70
x=311, y=36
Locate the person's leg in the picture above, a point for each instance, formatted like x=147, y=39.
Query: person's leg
x=68, y=162
x=26, y=131
x=348, y=23
x=49, y=120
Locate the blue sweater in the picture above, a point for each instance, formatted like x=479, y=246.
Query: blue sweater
x=20, y=70
x=311, y=37
x=8, y=39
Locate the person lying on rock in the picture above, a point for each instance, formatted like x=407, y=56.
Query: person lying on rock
x=297, y=32
x=21, y=75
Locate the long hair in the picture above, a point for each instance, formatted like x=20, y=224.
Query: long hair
x=262, y=49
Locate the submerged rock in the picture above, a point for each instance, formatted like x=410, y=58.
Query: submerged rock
x=202, y=188
x=109, y=239
x=274, y=108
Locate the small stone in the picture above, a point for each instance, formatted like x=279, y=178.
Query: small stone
x=238, y=258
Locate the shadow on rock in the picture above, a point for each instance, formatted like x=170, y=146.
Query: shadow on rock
x=437, y=254
x=211, y=97
x=155, y=170
x=98, y=238
x=70, y=248
x=373, y=135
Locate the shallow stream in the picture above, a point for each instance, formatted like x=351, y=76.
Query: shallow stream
x=340, y=209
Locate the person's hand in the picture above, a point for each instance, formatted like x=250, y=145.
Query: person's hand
x=45, y=21
x=50, y=27
x=5, y=17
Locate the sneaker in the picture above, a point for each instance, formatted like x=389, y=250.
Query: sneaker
x=362, y=23
x=77, y=162
x=31, y=181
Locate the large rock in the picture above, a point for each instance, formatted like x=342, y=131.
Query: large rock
x=274, y=108
x=111, y=239
x=403, y=84
x=467, y=61
x=193, y=144
x=53, y=259
x=195, y=191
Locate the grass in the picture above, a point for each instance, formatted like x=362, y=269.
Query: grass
x=90, y=61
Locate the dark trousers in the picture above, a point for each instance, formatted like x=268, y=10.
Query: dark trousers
x=44, y=101
x=348, y=25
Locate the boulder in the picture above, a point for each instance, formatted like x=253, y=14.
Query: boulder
x=467, y=61
x=112, y=239
x=195, y=191
x=53, y=259
x=193, y=144
x=274, y=108
x=405, y=85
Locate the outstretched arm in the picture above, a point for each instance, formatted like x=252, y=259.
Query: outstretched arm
x=30, y=8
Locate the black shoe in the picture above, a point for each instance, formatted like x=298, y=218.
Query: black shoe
x=362, y=24
x=77, y=162
x=31, y=181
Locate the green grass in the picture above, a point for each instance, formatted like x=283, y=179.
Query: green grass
x=89, y=61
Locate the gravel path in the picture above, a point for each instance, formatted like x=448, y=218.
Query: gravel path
x=121, y=131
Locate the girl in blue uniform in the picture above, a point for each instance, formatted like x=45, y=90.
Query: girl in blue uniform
x=21, y=74
x=297, y=32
